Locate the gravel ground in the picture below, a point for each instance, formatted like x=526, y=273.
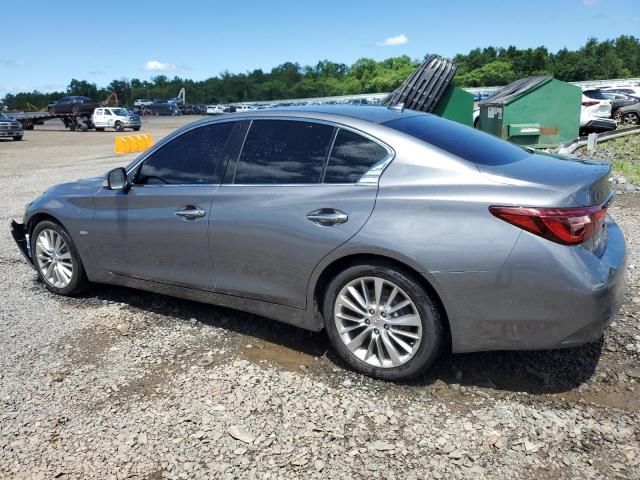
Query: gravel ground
x=126, y=384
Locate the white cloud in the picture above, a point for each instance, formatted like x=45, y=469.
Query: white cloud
x=12, y=63
x=156, y=66
x=394, y=41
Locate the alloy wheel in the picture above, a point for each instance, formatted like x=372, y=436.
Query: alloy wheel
x=54, y=258
x=378, y=322
x=631, y=119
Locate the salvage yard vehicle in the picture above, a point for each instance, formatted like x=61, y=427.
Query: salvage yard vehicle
x=400, y=233
x=630, y=115
x=116, y=118
x=142, y=102
x=10, y=127
x=616, y=103
x=73, y=104
x=215, y=109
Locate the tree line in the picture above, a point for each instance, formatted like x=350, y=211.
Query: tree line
x=490, y=66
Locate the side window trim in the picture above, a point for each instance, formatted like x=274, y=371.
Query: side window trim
x=135, y=170
x=335, y=127
x=329, y=151
x=371, y=176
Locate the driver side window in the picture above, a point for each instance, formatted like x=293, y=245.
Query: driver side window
x=192, y=158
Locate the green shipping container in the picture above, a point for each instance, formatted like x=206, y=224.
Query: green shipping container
x=536, y=112
x=457, y=105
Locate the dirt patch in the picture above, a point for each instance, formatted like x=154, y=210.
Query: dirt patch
x=286, y=358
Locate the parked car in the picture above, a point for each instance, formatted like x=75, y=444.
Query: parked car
x=162, y=109
x=215, y=109
x=229, y=109
x=74, y=104
x=630, y=115
x=630, y=90
x=399, y=233
x=589, y=123
x=10, y=127
x=116, y=118
x=616, y=103
x=142, y=102
x=596, y=107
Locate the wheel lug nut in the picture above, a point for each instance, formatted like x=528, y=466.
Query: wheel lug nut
x=376, y=331
x=383, y=314
x=367, y=321
x=386, y=327
x=372, y=311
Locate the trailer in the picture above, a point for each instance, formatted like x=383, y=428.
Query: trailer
x=75, y=122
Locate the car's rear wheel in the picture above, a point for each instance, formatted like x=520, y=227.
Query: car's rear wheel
x=52, y=111
x=136, y=129
x=75, y=109
x=57, y=260
x=631, y=118
x=382, y=322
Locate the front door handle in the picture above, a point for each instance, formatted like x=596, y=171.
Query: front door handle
x=327, y=217
x=191, y=213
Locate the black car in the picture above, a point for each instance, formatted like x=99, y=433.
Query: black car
x=616, y=104
x=73, y=104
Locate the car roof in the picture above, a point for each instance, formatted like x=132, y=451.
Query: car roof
x=361, y=112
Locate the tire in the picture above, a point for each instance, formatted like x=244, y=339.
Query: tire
x=119, y=127
x=426, y=325
x=99, y=129
x=17, y=138
x=75, y=109
x=52, y=111
x=617, y=115
x=65, y=256
x=136, y=129
x=631, y=118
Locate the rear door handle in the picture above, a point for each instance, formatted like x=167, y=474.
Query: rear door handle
x=191, y=213
x=327, y=217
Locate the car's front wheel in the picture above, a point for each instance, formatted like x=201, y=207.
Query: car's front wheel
x=382, y=322
x=57, y=260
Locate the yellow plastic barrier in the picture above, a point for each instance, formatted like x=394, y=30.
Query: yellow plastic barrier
x=132, y=143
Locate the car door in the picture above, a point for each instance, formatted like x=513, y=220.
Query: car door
x=158, y=229
x=98, y=117
x=274, y=218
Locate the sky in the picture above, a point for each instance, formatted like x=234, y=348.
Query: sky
x=46, y=43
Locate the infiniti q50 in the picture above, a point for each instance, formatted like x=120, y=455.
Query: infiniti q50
x=399, y=233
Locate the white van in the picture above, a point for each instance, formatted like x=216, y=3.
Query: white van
x=115, y=117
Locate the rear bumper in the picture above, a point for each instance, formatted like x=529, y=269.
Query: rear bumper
x=545, y=296
x=21, y=237
x=600, y=125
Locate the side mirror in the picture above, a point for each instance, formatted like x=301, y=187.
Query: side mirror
x=117, y=180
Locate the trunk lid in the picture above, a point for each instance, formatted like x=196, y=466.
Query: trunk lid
x=586, y=182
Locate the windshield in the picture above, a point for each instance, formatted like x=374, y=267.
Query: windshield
x=119, y=111
x=465, y=142
x=4, y=117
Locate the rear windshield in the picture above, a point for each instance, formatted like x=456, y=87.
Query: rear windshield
x=465, y=142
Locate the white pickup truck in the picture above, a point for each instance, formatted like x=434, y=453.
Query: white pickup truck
x=115, y=117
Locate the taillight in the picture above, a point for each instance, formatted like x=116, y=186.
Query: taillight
x=589, y=103
x=568, y=226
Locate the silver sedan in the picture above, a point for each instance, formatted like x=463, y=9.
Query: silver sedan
x=399, y=233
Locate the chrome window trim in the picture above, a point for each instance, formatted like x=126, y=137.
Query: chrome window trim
x=370, y=177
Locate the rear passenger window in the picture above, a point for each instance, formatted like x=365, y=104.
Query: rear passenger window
x=283, y=152
x=189, y=159
x=351, y=157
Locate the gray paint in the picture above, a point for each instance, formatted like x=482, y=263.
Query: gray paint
x=255, y=249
